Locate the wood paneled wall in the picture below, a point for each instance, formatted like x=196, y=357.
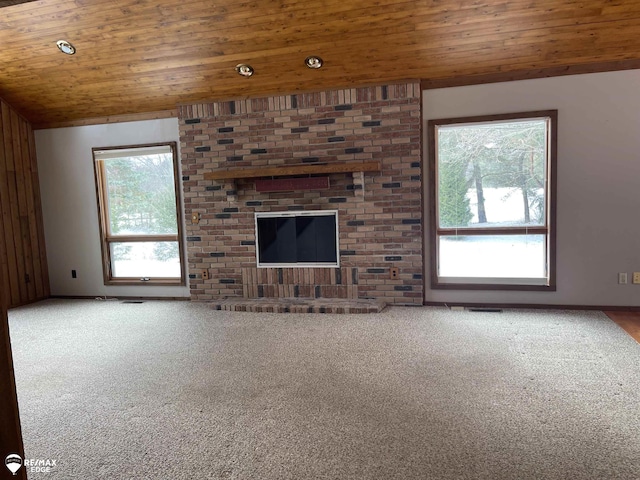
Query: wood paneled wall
x=23, y=261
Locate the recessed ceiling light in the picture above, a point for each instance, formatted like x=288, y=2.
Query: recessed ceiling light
x=66, y=47
x=313, y=62
x=244, y=69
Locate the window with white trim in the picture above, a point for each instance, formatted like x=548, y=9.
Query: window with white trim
x=492, y=190
x=139, y=211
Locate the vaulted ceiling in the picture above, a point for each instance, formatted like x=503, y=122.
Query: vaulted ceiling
x=138, y=56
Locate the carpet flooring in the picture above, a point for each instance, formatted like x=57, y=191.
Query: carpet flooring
x=175, y=390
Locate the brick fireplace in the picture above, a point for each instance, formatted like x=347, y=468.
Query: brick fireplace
x=379, y=210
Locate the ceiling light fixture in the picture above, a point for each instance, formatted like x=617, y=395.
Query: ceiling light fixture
x=244, y=69
x=313, y=62
x=66, y=47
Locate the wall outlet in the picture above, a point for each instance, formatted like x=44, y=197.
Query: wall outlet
x=205, y=274
x=394, y=272
x=636, y=278
x=622, y=278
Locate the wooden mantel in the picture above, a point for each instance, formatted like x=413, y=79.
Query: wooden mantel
x=293, y=170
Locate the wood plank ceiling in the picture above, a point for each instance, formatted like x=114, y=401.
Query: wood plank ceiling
x=138, y=56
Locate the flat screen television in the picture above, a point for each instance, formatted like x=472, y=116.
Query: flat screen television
x=297, y=239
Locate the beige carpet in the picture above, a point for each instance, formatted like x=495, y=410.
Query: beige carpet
x=173, y=390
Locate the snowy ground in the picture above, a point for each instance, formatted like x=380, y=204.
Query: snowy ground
x=510, y=256
x=140, y=261
x=503, y=206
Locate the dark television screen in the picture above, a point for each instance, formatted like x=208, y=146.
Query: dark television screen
x=297, y=239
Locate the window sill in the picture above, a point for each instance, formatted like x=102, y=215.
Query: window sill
x=156, y=282
x=492, y=286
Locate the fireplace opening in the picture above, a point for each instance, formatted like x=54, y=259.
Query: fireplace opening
x=297, y=239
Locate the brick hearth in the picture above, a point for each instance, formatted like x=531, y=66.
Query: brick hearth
x=299, y=305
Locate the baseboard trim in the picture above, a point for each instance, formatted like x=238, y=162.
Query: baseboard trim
x=610, y=308
x=604, y=308
x=117, y=297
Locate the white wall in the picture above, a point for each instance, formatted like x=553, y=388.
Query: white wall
x=70, y=211
x=598, y=231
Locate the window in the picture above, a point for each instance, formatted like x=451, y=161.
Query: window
x=140, y=221
x=492, y=190
x=297, y=239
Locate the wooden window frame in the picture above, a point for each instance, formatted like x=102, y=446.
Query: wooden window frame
x=484, y=283
x=105, y=235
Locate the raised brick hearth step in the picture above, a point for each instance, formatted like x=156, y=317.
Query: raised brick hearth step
x=300, y=305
